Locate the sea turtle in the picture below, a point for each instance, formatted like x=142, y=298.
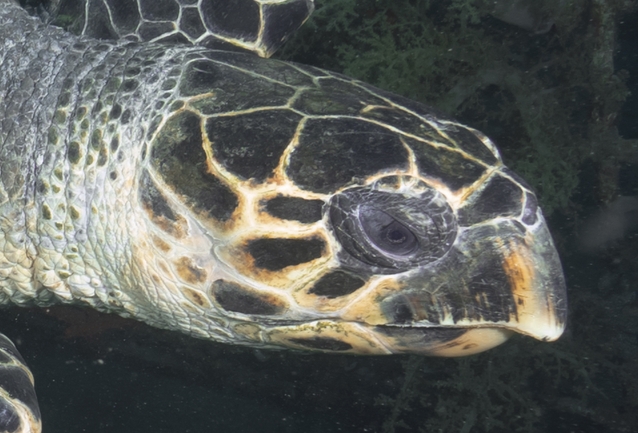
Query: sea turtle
x=204, y=189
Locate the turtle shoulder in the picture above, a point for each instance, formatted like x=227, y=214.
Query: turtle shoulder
x=236, y=25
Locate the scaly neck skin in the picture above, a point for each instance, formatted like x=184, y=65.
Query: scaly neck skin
x=31, y=58
x=73, y=121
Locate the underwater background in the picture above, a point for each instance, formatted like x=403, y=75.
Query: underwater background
x=555, y=85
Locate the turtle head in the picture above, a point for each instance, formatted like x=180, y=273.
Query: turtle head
x=293, y=207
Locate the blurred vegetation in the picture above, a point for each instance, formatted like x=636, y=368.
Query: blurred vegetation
x=547, y=100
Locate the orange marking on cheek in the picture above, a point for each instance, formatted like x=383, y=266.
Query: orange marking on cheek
x=177, y=229
x=520, y=273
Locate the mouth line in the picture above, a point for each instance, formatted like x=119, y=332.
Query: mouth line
x=388, y=326
x=437, y=326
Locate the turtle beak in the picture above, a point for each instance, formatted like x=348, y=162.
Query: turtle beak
x=537, y=285
x=497, y=279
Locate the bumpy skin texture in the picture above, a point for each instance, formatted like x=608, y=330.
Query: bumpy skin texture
x=257, y=202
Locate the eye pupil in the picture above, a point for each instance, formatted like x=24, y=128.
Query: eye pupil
x=396, y=236
x=386, y=233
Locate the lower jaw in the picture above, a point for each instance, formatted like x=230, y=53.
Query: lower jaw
x=446, y=342
x=365, y=339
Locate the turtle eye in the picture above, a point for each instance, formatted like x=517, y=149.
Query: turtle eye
x=386, y=233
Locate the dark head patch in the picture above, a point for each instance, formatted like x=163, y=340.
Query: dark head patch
x=279, y=19
x=178, y=155
x=450, y=166
x=230, y=89
x=333, y=152
x=158, y=11
x=399, y=309
x=406, y=122
x=200, y=77
x=294, y=208
x=471, y=285
x=335, y=97
x=337, y=283
x=232, y=18
x=468, y=141
x=499, y=198
x=250, y=145
x=191, y=23
x=276, y=254
x=234, y=297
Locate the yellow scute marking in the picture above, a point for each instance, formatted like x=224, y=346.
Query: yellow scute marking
x=367, y=308
x=520, y=272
